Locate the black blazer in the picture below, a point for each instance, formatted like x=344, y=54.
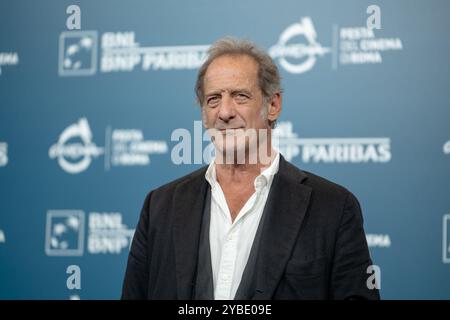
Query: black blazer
x=312, y=243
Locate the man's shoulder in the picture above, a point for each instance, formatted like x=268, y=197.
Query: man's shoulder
x=313, y=180
x=327, y=198
x=319, y=182
x=322, y=189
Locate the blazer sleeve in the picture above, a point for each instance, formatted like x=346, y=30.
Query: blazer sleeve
x=135, y=284
x=349, y=275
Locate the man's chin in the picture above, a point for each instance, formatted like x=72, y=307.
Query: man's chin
x=230, y=155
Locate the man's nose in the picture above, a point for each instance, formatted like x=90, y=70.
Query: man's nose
x=227, y=109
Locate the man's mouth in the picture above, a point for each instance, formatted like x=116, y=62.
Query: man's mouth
x=230, y=129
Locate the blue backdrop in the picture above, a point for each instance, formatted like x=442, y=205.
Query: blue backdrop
x=88, y=115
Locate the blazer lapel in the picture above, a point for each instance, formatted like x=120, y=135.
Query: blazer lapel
x=287, y=205
x=189, y=199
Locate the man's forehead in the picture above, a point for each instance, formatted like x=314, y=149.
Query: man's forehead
x=222, y=83
x=239, y=70
x=230, y=75
x=233, y=64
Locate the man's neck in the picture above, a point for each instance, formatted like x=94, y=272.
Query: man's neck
x=241, y=172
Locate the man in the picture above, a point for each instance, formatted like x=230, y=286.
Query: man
x=250, y=225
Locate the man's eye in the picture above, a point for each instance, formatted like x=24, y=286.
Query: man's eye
x=241, y=97
x=212, y=101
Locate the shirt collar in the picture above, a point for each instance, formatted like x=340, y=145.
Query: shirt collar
x=265, y=178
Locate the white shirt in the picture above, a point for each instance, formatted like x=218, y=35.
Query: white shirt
x=231, y=242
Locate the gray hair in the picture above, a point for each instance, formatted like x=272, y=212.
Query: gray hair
x=268, y=75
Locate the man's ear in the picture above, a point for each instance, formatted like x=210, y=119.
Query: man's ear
x=274, y=109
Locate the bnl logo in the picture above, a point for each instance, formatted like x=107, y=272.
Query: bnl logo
x=64, y=233
x=446, y=239
x=77, y=53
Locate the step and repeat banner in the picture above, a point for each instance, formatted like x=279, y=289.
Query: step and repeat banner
x=97, y=108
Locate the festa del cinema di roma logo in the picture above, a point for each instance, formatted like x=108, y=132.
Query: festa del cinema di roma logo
x=75, y=149
x=298, y=57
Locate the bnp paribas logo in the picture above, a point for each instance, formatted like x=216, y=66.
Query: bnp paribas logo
x=331, y=150
x=64, y=233
x=106, y=233
x=77, y=53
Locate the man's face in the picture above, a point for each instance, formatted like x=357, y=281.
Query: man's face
x=233, y=100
